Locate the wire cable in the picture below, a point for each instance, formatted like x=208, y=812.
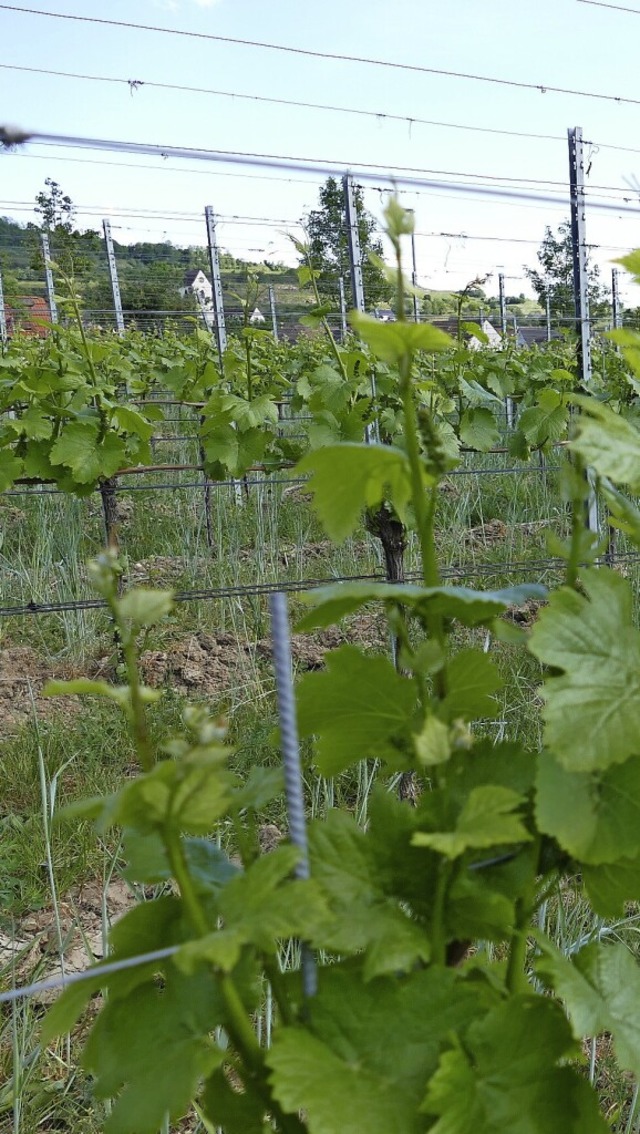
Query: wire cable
x=409, y=120
x=540, y=88
x=613, y=7
x=10, y=136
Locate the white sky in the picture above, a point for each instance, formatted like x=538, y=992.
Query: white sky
x=555, y=42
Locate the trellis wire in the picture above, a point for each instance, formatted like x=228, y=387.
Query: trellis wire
x=58, y=982
x=500, y=567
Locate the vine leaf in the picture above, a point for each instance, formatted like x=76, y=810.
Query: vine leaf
x=611, y=885
x=607, y=442
x=237, y=1112
x=546, y=421
x=33, y=423
x=166, y=1054
x=603, y=822
x=356, y=709
x=506, y=1077
x=394, y=342
x=479, y=430
x=600, y=986
x=339, y=1072
x=347, y=479
x=77, y=448
x=487, y=819
x=366, y=918
x=472, y=608
x=257, y=908
x=593, y=707
x=472, y=679
x=10, y=469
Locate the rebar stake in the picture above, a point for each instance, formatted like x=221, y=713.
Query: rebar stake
x=294, y=795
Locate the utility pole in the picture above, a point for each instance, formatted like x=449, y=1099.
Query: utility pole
x=581, y=284
x=353, y=239
x=272, y=305
x=616, y=311
x=503, y=305
x=343, y=311
x=3, y=317
x=216, y=281
x=113, y=276
x=48, y=277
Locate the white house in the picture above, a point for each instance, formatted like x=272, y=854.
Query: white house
x=197, y=284
x=450, y=325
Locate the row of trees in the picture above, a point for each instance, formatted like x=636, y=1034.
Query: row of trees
x=151, y=274
x=553, y=278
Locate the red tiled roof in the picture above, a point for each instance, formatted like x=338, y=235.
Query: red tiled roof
x=27, y=316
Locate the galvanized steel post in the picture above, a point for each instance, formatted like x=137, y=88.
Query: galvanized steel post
x=113, y=276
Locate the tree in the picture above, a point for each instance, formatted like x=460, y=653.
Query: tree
x=55, y=207
x=73, y=251
x=555, y=278
x=329, y=248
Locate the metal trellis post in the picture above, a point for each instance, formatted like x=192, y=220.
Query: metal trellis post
x=272, y=305
x=3, y=316
x=547, y=304
x=503, y=305
x=616, y=311
x=216, y=281
x=357, y=286
x=343, y=310
x=353, y=237
x=48, y=277
x=113, y=276
x=414, y=278
x=581, y=282
x=508, y=402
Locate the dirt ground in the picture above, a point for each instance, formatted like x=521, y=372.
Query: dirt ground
x=201, y=664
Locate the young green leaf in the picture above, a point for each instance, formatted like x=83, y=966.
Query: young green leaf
x=592, y=708
x=355, y=1027
x=488, y=818
x=144, y=607
x=168, y=1051
x=601, y=989
x=506, y=1077
x=607, y=443
x=347, y=479
x=78, y=448
x=472, y=608
x=479, y=429
x=394, y=342
x=603, y=822
x=472, y=681
x=359, y=707
x=366, y=918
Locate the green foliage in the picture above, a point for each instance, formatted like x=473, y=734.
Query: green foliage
x=554, y=278
x=593, y=698
x=410, y=1028
x=328, y=247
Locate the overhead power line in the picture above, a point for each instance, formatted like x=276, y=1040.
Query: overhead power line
x=11, y=136
x=541, y=88
x=409, y=120
x=614, y=7
x=311, y=163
